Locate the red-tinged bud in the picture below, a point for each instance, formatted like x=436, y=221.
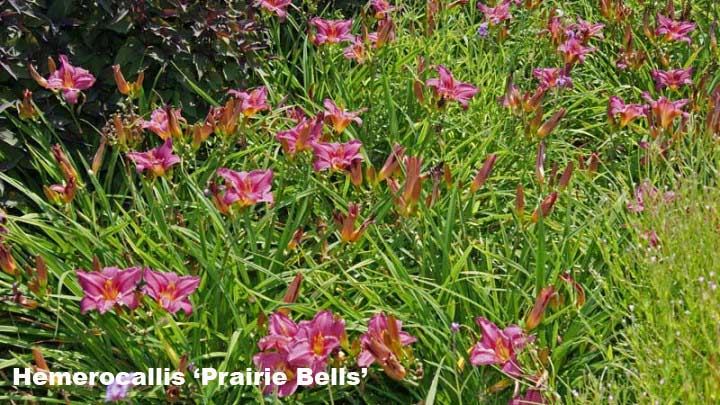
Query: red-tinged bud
x=68, y=171
x=670, y=9
x=387, y=360
x=26, y=109
x=97, y=267
x=534, y=123
x=447, y=175
x=540, y=164
x=413, y=181
x=296, y=239
x=51, y=65
x=545, y=207
x=348, y=233
x=647, y=29
x=386, y=32
x=713, y=36
x=356, y=175
x=371, y=175
x=122, y=84
x=292, y=293
x=419, y=91
x=7, y=263
x=538, y=311
x=520, y=201
x=534, y=101
x=36, y=76
x=628, y=39
x=606, y=9
x=173, y=124
x=98, y=158
x=565, y=178
x=549, y=126
x=580, y=300
x=38, y=284
x=594, y=162
x=436, y=174
x=483, y=173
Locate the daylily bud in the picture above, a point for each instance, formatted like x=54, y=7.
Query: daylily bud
x=26, y=109
x=392, y=164
x=173, y=124
x=713, y=37
x=538, y=310
x=565, y=178
x=296, y=239
x=356, y=177
x=38, y=284
x=606, y=9
x=386, y=359
x=98, y=158
x=549, y=126
x=68, y=171
x=594, y=162
x=483, y=173
x=122, y=85
x=51, y=65
x=649, y=32
x=7, y=263
x=545, y=207
x=292, y=293
x=348, y=233
x=540, y=164
x=36, y=76
x=520, y=201
x=580, y=301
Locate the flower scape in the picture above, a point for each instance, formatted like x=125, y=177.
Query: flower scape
x=460, y=198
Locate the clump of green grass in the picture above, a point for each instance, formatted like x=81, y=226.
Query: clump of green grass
x=674, y=303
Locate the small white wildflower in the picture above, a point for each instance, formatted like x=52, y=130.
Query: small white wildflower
x=701, y=279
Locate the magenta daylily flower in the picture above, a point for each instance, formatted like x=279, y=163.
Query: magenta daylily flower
x=302, y=136
x=159, y=122
x=247, y=188
x=336, y=156
x=339, y=117
x=276, y=6
x=532, y=397
x=448, y=88
x=315, y=340
x=673, y=79
x=331, y=31
x=627, y=112
x=585, y=30
x=496, y=15
x=281, y=331
x=253, y=101
x=499, y=346
x=672, y=30
x=279, y=362
x=574, y=50
x=378, y=331
x=70, y=79
x=553, y=77
x=356, y=51
x=170, y=290
x=157, y=160
x=665, y=111
x=382, y=8
x=112, y=286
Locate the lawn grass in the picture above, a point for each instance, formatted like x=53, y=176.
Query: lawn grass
x=466, y=255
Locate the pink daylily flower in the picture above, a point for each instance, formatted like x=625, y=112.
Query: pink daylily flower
x=336, y=156
x=532, y=397
x=253, y=101
x=170, y=290
x=496, y=15
x=627, y=112
x=302, y=136
x=448, y=88
x=382, y=8
x=585, y=30
x=553, y=77
x=499, y=346
x=315, y=340
x=159, y=122
x=378, y=331
x=665, y=111
x=279, y=362
x=672, y=30
x=112, y=286
x=247, y=188
x=281, y=331
x=356, y=51
x=574, y=50
x=339, y=117
x=673, y=79
x=70, y=79
x=157, y=160
x=331, y=31
x=276, y=6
